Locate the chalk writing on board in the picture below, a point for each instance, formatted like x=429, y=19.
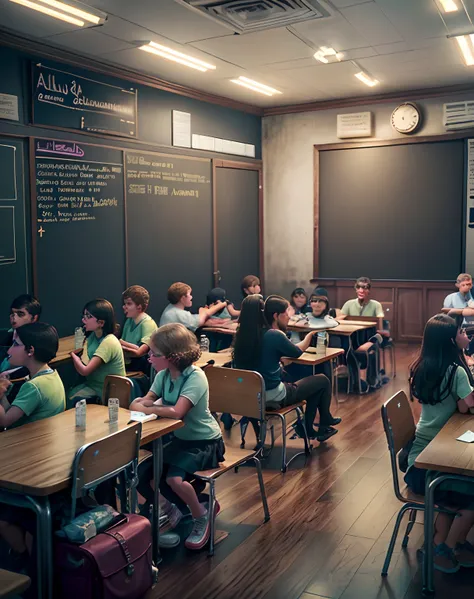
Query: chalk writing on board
x=111, y=109
x=60, y=148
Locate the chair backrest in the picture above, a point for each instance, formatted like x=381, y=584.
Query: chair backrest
x=236, y=391
x=400, y=428
x=119, y=387
x=103, y=459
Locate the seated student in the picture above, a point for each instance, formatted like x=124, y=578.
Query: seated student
x=250, y=285
x=299, y=301
x=102, y=353
x=180, y=298
x=362, y=305
x=319, y=315
x=137, y=329
x=261, y=343
x=219, y=295
x=180, y=390
x=441, y=381
x=41, y=397
x=462, y=303
x=23, y=310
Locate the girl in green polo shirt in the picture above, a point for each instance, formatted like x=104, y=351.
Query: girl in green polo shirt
x=102, y=353
x=442, y=382
x=180, y=390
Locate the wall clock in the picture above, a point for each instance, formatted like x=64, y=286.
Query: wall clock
x=406, y=118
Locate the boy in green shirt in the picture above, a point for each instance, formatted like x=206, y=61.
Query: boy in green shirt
x=362, y=305
x=138, y=328
x=23, y=310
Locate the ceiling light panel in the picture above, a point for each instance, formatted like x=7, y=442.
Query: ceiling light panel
x=255, y=86
x=175, y=56
x=71, y=12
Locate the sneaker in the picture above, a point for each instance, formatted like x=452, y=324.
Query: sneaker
x=464, y=553
x=444, y=559
x=333, y=421
x=217, y=507
x=200, y=533
x=168, y=540
x=324, y=433
x=174, y=515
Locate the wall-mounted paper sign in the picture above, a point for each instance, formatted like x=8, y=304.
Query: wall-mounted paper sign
x=181, y=129
x=9, y=107
x=355, y=124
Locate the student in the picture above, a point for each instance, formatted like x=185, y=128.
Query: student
x=102, y=353
x=261, y=343
x=180, y=390
x=299, y=301
x=43, y=394
x=217, y=295
x=250, y=285
x=462, y=303
x=442, y=383
x=319, y=315
x=180, y=298
x=362, y=305
x=23, y=310
x=138, y=327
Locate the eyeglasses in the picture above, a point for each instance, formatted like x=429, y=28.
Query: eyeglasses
x=87, y=315
x=153, y=354
x=362, y=286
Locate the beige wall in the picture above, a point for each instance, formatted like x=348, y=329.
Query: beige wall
x=288, y=181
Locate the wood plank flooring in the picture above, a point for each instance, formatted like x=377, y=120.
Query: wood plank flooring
x=331, y=520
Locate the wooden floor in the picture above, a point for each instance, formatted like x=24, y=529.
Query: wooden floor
x=330, y=523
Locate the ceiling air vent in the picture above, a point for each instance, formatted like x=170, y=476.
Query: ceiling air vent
x=247, y=16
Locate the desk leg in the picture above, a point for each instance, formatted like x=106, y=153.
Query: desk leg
x=334, y=380
x=428, y=570
x=351, y=356
x=157, y=470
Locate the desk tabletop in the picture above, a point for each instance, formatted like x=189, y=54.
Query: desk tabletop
x=347, y=328
x=66, y=346
x=37, y=458
x=220, y=358
x=445, y=453
x=223, y=330
x=311, y=358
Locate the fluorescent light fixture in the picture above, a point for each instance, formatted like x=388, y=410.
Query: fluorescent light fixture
x=175, y=56
x=448, y=5
x=255, y=86
x=50, y=12
x=71, y=13
x=466, y=45
x=324, y=52
x=77, y=12
x=367, y=79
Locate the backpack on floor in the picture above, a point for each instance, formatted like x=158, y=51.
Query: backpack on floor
x=115, y=564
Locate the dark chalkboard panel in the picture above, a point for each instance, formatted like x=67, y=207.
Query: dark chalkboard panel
x=13, y=258
x=392, y=212
x=62, y=98
x=80, y=240
x=238, y=246
x=169, y=224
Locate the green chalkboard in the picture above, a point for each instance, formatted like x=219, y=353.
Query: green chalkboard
x=80, y=228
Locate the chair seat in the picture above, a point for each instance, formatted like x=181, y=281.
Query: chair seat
x=411, y=497
x=286, y=409
x=12, y=583
x=134, y=373
x=233, y=456
x=143, y=456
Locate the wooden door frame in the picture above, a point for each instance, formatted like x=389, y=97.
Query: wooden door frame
x=246, y=166
x=376, y=143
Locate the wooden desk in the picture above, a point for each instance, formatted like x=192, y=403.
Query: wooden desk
x=445, y=458
x=223, y=330
x=348, y=328
x=36, y=461
x=66, y=346
x=12, y=584
x=220, y=358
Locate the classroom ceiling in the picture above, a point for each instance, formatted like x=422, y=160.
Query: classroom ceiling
x=401, y=43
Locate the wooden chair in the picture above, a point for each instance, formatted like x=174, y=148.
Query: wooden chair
x=282, y=415
x=119, y=387
x=12, y=583
x=237, y=392
x=399, y=426
x=112, y=456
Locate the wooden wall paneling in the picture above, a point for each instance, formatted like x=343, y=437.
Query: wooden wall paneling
x=410, y=313
x=435, y=299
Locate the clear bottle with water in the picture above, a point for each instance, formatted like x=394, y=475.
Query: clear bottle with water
x=204, y=343
x=321, y=342
x=78, y=338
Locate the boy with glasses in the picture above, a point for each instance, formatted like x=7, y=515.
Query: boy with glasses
x=362, y=305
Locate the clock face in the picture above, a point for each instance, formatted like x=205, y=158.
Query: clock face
x=406, y=118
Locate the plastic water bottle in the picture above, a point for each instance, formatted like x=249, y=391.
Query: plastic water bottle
x=78, y=338
x=321, y=342
x=204, y=343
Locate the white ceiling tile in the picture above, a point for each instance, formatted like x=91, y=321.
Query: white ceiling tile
x=332, y=31
x=357, y=53
x=273, y=45
x=371, y=22
x=30, y=22
x=165, y=17
x=88, y=41
x=414, y=18
x=346, y=3
x=413, y=44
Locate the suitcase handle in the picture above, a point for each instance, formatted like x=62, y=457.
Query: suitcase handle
x=123, y=545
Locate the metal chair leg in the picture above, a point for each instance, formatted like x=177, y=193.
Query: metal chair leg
x=393, y=360
x=212, y=501
x=299, y=416
x=411, y=523
x=262, y=489
x=283, y=448
x=393, y=539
